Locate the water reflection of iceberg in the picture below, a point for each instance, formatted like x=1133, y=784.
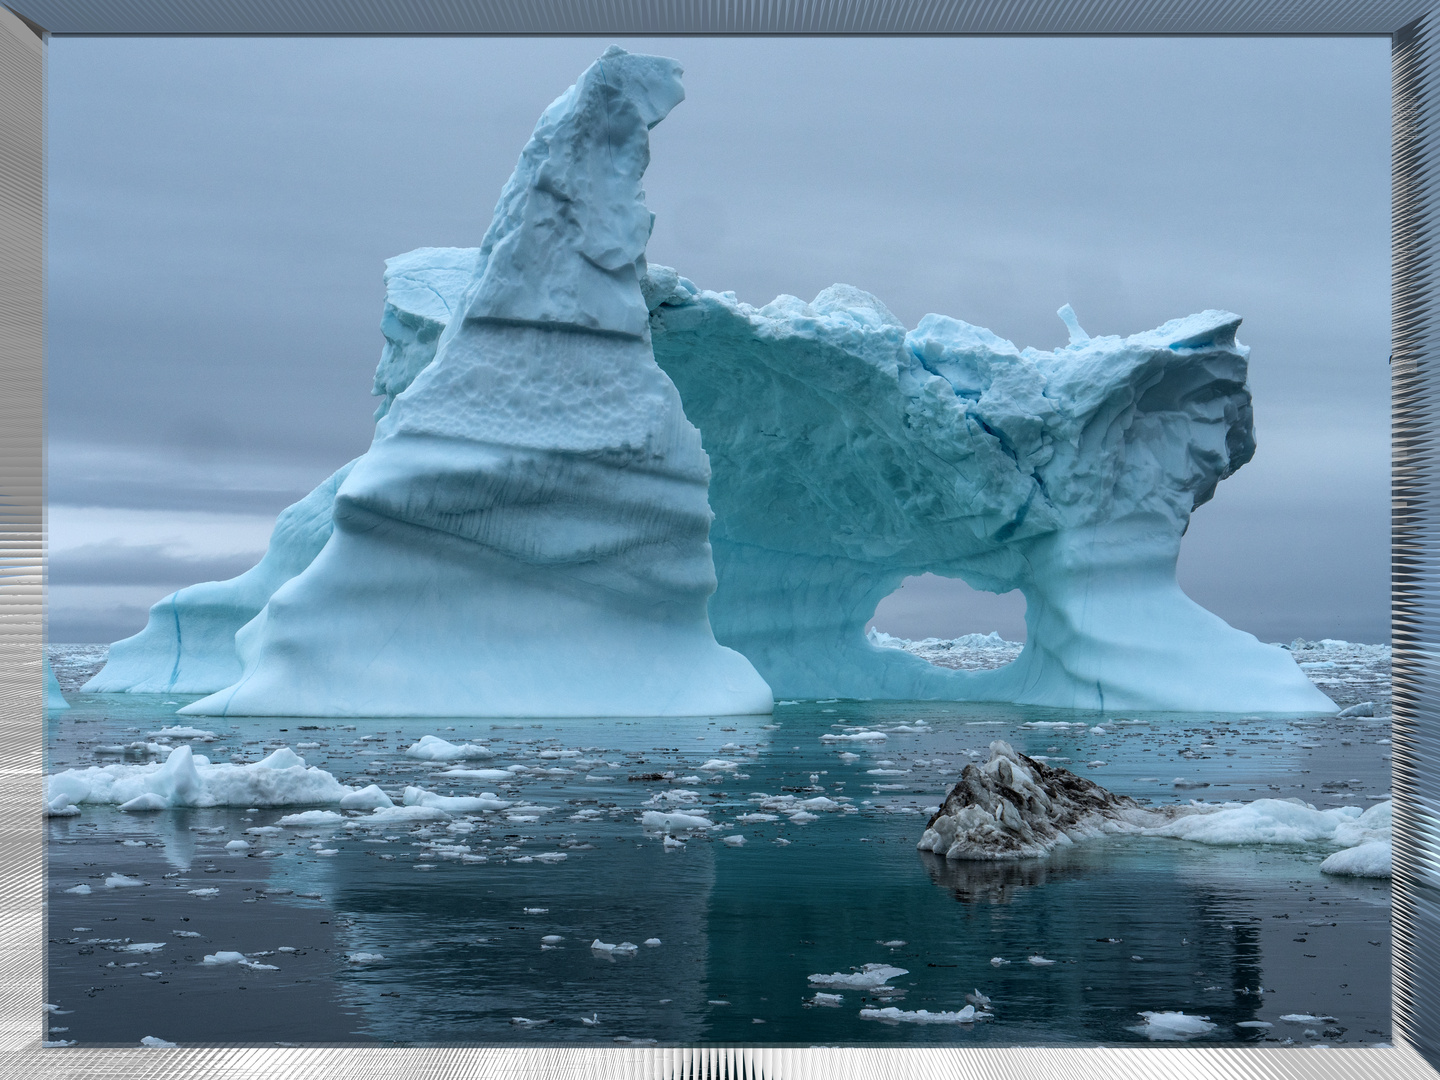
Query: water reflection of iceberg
x=974, y=881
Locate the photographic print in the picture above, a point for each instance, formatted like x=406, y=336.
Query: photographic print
x=770, y=541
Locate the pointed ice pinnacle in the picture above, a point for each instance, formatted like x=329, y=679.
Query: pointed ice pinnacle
x=527, y=535
x=54, y=697
x=1072, y=323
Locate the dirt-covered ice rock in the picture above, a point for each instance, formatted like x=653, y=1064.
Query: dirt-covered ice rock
x=1014, y=807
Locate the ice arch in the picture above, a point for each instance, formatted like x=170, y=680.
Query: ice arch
x=849, y=454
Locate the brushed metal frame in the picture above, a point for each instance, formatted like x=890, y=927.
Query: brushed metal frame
x=1414, y=29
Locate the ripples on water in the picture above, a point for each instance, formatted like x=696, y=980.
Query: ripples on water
x=1199, y=928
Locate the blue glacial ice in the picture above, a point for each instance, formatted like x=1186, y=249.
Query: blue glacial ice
x=54, y=696
x=850, y=454
x=188, y=645
x=527, y=535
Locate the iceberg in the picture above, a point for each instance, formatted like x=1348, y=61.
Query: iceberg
x=528, y=533
x=849, y=454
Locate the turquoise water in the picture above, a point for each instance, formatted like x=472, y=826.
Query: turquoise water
x=741, y=927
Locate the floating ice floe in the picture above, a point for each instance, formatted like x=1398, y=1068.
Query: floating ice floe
x=224, y=957
x=79, y=890
x=1173, y=1026
x=181, y=731
x=656, y=819
x=121, y=881
x=482, y=774
x=858, y=736
x=191, y=780
x=312, y=818
x=1371, y=859
x=369, y=797
x=1280, y=821
x=967, y=1015
x=868, y=977
x=385, y=816
x=433, y=748
x=455, y=804
x=625, y=948
x=155, y=1042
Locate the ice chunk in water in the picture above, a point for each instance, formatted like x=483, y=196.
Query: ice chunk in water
x=1173, y=1026
x=868, y=977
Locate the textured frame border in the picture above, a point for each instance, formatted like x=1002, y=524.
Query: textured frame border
x=1414, y=29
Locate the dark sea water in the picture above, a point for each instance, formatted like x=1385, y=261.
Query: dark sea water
x=741, y=928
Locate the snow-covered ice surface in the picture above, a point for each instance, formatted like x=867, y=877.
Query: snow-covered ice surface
x=535, y=490
x=458, y=897
x=850, y=453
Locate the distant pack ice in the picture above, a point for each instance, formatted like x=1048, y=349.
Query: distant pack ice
x=527, y=535
x=850, y=454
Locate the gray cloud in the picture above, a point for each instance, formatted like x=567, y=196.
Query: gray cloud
x=141, y=565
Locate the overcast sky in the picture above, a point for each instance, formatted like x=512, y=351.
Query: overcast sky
x=220, y=211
